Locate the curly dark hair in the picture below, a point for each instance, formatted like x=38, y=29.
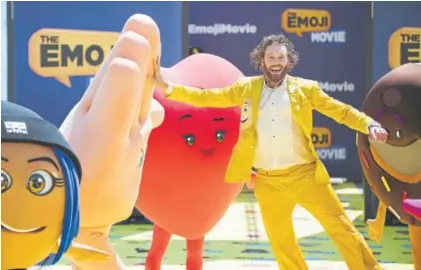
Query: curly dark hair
x=258, y=53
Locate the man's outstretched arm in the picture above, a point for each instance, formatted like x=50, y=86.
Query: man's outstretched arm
x=224, y=97
x=344, y=113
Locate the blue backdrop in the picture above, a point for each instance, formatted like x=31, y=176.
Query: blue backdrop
x=47, y=96
x=389, y=17
x=335, y=53
x=232, y=29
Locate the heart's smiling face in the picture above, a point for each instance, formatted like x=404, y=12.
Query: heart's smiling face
x=393, y=169
x=183, y=188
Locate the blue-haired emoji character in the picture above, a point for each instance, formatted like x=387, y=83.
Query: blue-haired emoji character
x=40, y=177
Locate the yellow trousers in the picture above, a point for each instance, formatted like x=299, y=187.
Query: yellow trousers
x=415, y=237
x=279, y=191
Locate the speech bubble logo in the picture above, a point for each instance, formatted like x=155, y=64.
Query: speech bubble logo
x=405, y=46
x=62, y=53
x=299, y=21
x=321, y=137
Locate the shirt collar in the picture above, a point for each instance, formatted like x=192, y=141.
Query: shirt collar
x=281, y=86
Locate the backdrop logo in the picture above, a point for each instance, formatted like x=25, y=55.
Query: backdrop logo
x=314, y=21
x=221, y=29
x=405, y=46
x=299, y=21
x=62, y=53
x=337, y=87
x=321, y=137
x=333, y=153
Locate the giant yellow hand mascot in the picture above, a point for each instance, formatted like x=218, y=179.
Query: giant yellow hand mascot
x=108, y=130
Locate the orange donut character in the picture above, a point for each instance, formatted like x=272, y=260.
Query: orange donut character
x=393, y=169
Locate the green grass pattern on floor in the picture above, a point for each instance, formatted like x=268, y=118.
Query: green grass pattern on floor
x=394, y=248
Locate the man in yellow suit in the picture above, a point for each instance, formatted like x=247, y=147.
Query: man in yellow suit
x=278, y=144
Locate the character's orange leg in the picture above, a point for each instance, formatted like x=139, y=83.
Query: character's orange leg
x=194, y=254
x=415, y=237
x=160, y=241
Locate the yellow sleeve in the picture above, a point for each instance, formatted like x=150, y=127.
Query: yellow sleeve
x=229, y=96
x=339, y=111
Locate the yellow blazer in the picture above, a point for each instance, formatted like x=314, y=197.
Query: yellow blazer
x=305, y=96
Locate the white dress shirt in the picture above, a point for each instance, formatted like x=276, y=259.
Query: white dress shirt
x=281, y=141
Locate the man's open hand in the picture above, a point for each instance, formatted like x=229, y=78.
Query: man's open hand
x=157, y=75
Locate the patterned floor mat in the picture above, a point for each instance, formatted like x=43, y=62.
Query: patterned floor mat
x=239, y=241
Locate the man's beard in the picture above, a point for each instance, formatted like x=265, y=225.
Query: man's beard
x=274, y=77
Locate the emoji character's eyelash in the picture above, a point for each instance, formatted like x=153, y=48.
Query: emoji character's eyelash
x=59, y=182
